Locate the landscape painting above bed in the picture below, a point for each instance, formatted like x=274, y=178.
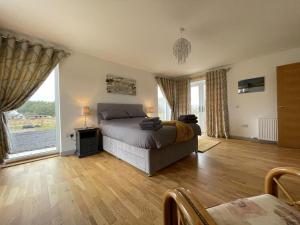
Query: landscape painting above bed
x=120, y=85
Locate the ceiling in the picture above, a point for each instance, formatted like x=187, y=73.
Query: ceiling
x=141, y=33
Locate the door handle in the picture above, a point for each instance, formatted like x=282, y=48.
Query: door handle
x=282, y=106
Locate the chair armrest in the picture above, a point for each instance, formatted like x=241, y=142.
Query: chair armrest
x=181, y=207
x=272, y=183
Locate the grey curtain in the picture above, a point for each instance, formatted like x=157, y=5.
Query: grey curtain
x=183, y=97
x=23, y=68
x=217, y=121
x=167, y=86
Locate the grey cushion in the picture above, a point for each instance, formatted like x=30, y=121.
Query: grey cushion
x=136, y=113
x=114, y=114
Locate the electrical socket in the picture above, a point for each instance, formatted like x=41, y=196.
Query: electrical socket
x=70, y=135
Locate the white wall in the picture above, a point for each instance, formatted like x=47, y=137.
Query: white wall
x=245, y=109
x=82, y=82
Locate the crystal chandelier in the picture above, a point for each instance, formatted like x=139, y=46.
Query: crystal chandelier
x=182, y=48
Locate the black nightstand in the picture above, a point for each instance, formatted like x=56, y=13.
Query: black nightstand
x=88, y=141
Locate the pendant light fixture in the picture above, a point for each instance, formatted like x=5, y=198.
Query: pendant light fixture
x=182, y=48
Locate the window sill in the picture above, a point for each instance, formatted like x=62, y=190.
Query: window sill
x=29, y=156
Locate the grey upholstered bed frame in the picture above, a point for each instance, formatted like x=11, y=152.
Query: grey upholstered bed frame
x=147, y=160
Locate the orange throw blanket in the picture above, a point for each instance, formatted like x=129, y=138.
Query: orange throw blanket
x=184, y=132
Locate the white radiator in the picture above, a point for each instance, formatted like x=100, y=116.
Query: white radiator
x=267, y=129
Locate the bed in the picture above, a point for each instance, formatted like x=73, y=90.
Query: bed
x=146, y=150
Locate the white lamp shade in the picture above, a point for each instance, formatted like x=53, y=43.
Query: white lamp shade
x=150, y=110
x=85, y=110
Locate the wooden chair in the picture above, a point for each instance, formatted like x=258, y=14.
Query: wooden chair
x=182, y=208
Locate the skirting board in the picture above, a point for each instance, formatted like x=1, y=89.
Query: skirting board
x=68, y=152
x=252, y=139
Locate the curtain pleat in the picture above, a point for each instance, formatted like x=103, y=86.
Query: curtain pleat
x=183, y=97
x=23, y=69
x=167, y=86
x=217, y=121
x=177, y=93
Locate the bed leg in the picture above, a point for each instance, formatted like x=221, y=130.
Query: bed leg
x=196, y=152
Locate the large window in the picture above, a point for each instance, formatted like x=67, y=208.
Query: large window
x=32, y=127
x=198, y=99
x=164, y=111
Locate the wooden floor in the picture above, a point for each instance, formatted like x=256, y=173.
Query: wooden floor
x=104, y=190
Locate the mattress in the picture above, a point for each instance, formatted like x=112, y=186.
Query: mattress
x=129, y=131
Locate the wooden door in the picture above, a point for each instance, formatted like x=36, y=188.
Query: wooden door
x=288, y=104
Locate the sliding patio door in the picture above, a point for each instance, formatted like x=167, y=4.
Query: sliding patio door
x=198, y=99
x=32, y=127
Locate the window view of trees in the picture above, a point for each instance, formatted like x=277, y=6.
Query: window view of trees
x=37, y=115
x=38, y=108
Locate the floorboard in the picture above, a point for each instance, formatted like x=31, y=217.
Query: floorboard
x=104, y=190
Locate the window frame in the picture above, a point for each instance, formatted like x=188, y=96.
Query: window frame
x=166, y=108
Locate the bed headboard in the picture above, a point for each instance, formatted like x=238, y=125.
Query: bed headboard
x=111, y=106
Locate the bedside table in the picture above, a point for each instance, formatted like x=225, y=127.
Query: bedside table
x=88, y=141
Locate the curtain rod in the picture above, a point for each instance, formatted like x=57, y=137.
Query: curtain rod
x=198, y=74
x=225, y=67
x=164, y=76
x=173, y=77
x=203, y=73
x=37, y=43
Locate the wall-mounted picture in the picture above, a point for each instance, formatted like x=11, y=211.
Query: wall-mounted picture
x=120, y=85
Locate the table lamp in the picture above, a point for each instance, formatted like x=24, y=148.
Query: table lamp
x=85, y=112
x=150, y=110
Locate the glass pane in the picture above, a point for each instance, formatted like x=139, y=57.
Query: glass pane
x=32, y=126
x=164, y=111
x=195, y=100
x=198, y=101
x=202, y=113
